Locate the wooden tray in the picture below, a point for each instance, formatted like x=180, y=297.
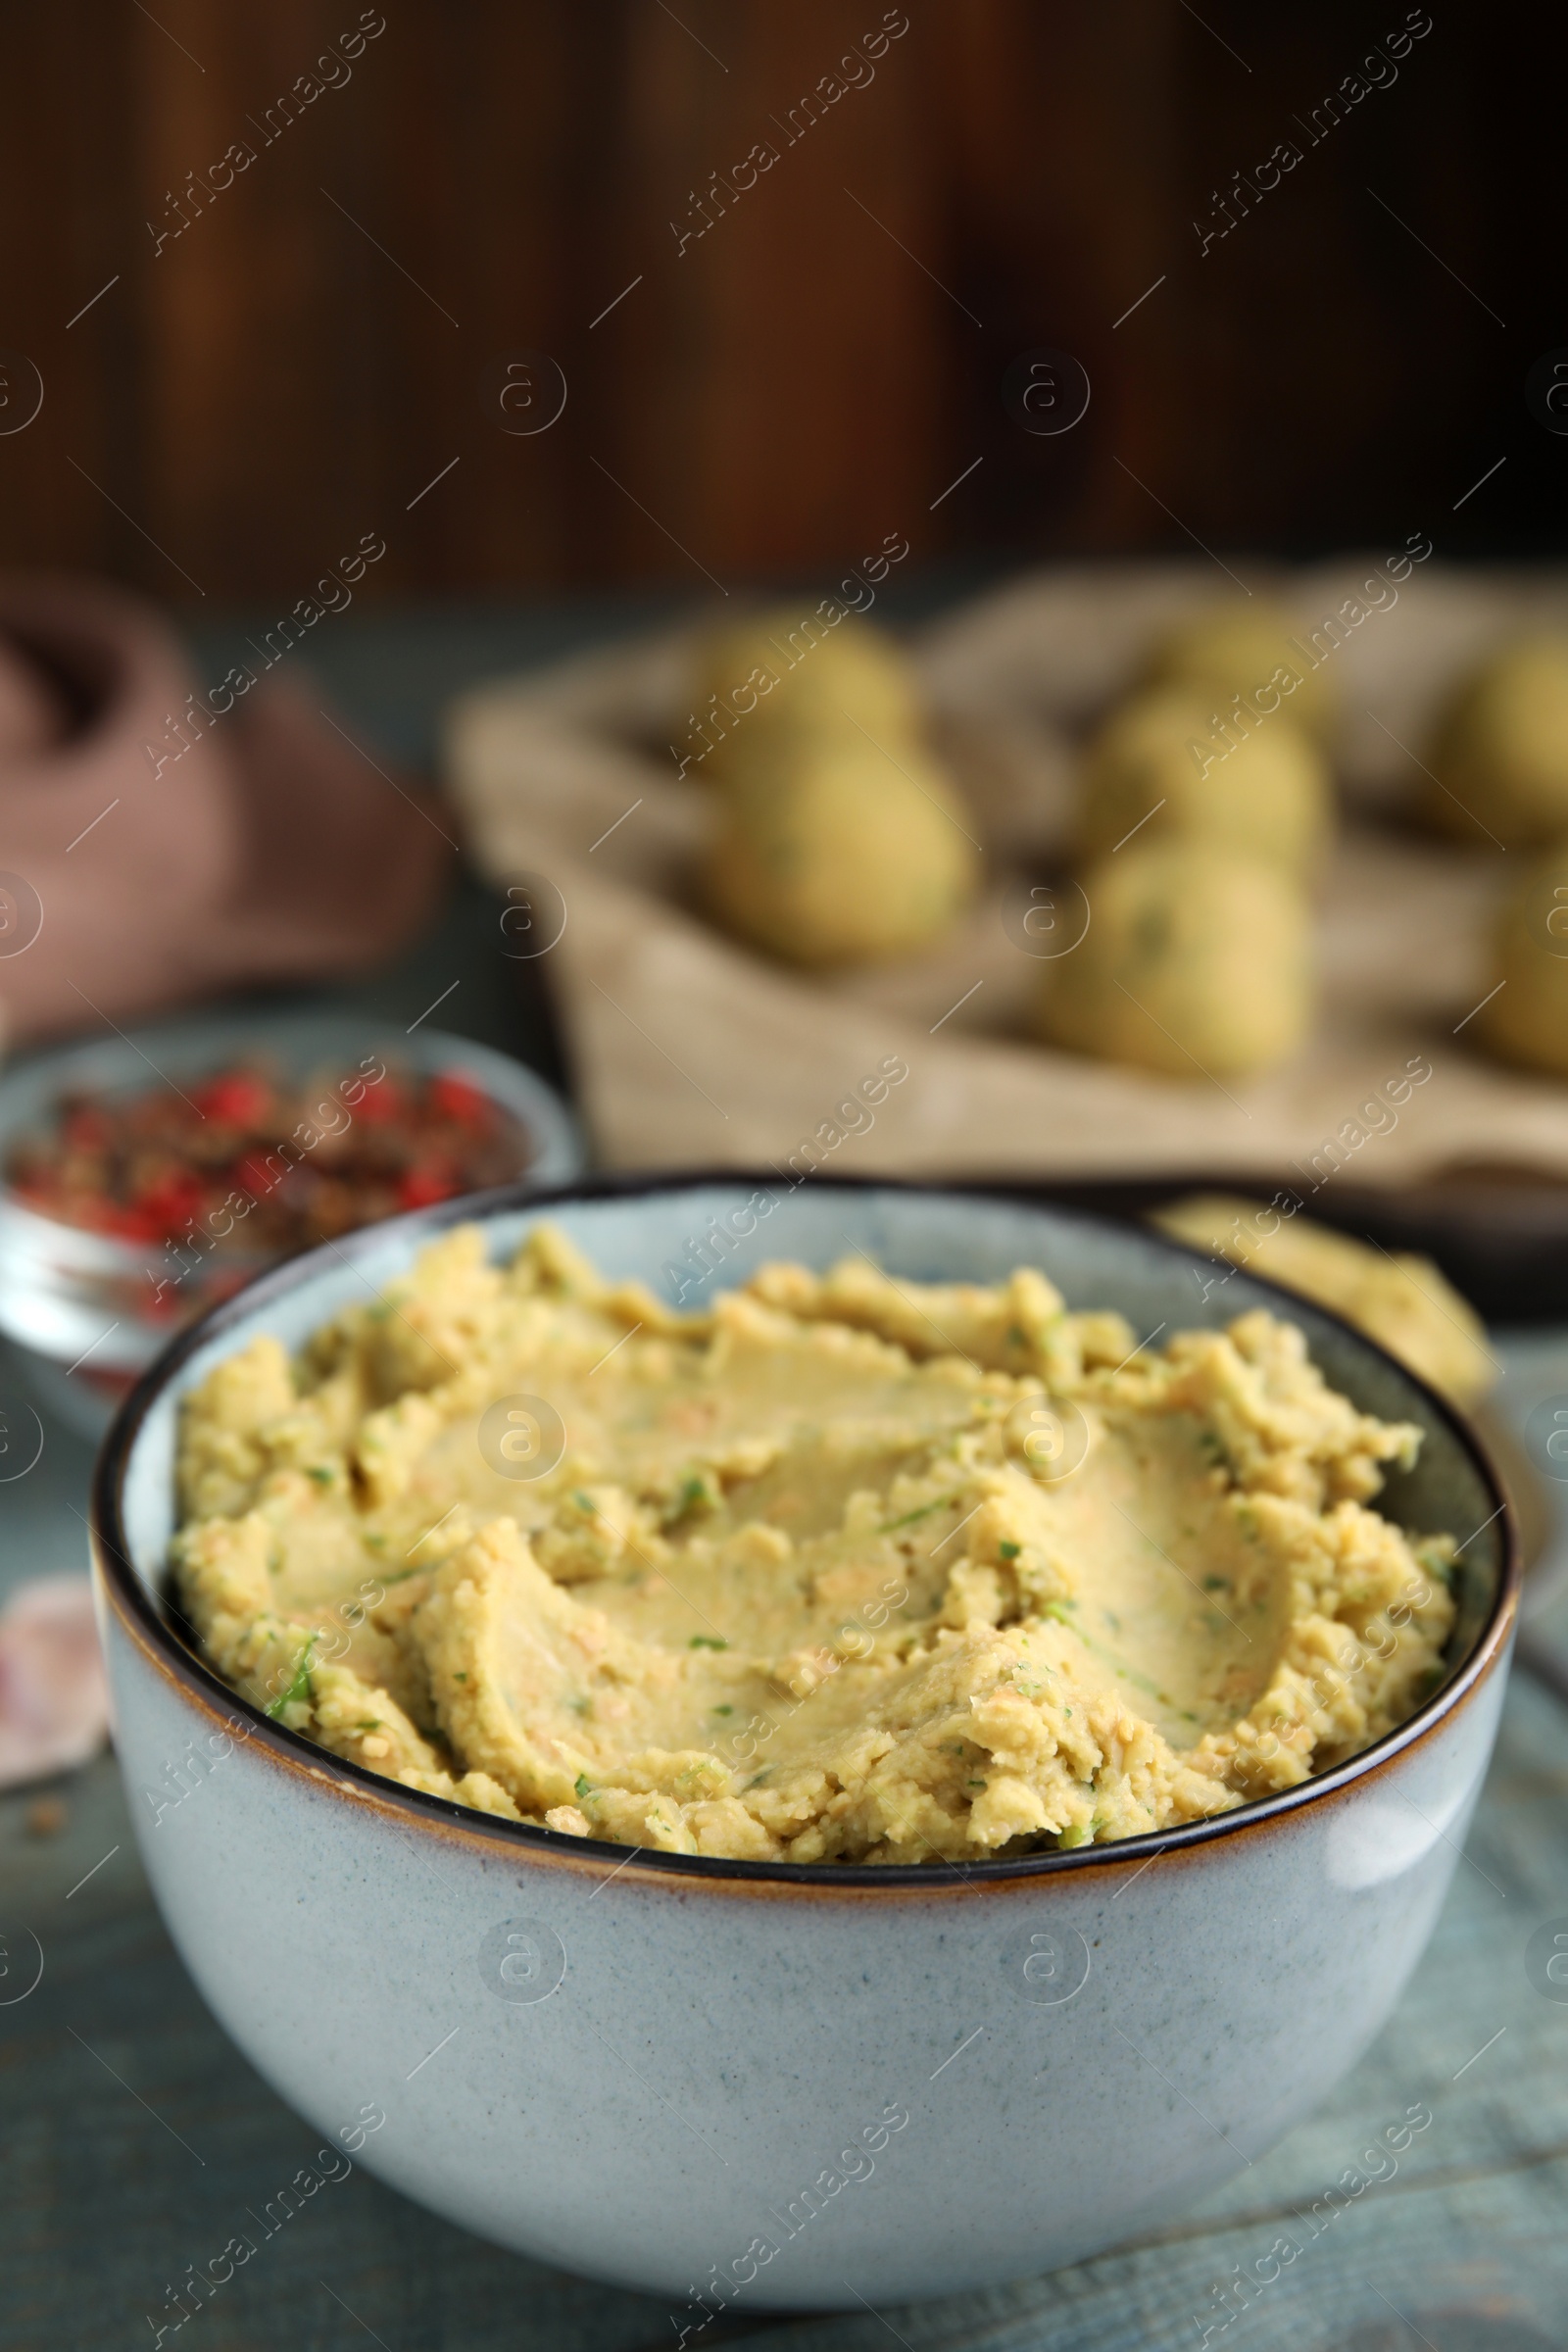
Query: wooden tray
x=1500, y=1235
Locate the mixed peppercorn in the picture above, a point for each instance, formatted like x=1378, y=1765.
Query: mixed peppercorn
x=248, y=1161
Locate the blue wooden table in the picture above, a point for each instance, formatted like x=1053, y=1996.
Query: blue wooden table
x=134, y=2137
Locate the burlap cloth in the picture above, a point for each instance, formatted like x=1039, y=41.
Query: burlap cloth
x=690, y=1048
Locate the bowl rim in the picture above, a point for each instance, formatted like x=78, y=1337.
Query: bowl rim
x=355, y=1783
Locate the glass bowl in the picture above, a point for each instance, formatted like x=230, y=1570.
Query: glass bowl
x=87, y=1311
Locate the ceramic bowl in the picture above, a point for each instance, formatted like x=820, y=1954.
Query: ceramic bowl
x=756, y=2085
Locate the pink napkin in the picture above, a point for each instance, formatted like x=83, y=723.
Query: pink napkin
x=162, y=839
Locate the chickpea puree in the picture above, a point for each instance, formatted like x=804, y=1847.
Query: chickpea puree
x=847, y=1568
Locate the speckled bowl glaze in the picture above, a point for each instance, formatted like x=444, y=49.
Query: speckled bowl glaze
x=748, y=2086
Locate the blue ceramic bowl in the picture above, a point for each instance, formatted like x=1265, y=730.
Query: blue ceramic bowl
x=746, y=2084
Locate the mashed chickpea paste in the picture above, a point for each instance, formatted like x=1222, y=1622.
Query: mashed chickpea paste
x=842, y=1569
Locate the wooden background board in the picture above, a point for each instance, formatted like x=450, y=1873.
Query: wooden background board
x=290, y=371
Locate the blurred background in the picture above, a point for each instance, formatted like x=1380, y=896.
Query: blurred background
x=290, y=369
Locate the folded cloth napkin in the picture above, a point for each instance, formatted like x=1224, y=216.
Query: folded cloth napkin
x=157, y=844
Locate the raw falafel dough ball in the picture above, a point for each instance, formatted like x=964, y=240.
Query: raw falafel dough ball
x=1158, y=765
x=1197, y=961
x=796, y=672
x=1499, y=750
x=839, y=854
x=1402, y=1302
x=1233, y=649
x=1526, y=1020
